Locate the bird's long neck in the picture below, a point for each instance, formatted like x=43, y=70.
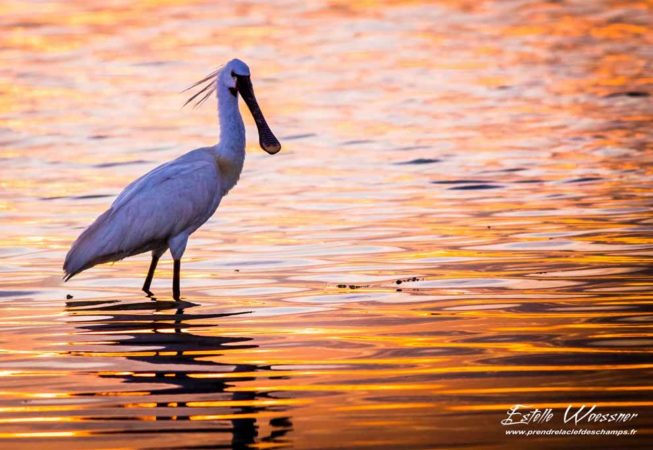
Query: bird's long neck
x=230, y=151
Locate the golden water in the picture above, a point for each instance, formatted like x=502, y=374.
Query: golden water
x=496, y=153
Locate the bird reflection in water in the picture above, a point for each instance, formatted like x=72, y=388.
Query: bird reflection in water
x=159, y=334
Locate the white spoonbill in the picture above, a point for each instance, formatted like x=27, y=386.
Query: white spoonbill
x=161, y=209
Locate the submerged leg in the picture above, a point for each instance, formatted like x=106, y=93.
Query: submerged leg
x=150, y=274
x=156, y=254
x=175, y=280
x=177, y=246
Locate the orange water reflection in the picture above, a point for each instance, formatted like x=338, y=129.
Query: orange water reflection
x=459, y=221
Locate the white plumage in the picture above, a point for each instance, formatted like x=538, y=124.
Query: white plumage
x=163, y=208
x=139, y=220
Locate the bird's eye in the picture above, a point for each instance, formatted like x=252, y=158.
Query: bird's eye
x=233, y=74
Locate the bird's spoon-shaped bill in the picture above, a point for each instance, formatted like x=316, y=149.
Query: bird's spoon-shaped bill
x=266, y=138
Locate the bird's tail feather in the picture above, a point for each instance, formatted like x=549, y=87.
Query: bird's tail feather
x=99, y=243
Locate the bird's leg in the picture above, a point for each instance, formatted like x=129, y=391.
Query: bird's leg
x=175, y=280
x=177, y=246
x=150, y=274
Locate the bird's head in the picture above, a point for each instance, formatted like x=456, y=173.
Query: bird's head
x=235, y=76
x=231, y=72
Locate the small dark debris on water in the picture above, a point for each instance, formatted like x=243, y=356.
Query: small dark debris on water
x=406, y=280
x=236, y=270
x=489, y=227
x=68, y=296
x=360, y=286
x=351, y=286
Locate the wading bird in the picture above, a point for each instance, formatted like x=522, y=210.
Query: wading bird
x=160, y=210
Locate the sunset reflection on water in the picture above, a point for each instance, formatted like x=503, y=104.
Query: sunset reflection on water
x=459, y=221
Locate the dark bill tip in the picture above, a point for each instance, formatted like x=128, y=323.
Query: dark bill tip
x=268, y=142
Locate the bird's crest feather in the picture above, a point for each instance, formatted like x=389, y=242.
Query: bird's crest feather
x=207, y=89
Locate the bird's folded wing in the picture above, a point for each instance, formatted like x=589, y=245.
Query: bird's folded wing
x=172, y=198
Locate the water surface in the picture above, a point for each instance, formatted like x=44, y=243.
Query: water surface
x=459, y=221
